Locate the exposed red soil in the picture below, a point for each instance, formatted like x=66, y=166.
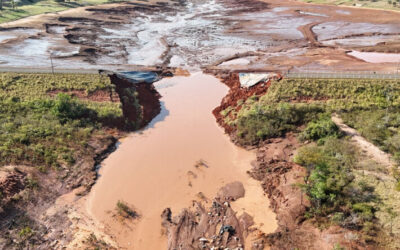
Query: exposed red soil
x=216, y=227
x=147, y=97
x=236, y=93
x=280, y=179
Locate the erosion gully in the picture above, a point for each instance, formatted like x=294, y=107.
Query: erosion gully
x=154, y=168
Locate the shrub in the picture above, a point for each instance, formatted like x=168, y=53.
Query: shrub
x=261, y=122
x=125, y=211
x=67, y=108
x=25, y=232
x=365, y=210
x=329, y=174
x=319, y=129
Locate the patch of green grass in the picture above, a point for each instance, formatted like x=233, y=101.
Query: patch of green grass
x=345, y=186
x=27, y=8
x=336, y=94
x=37, y=129
x=260, y=122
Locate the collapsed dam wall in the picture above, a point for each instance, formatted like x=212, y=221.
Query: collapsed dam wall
x=139, y=99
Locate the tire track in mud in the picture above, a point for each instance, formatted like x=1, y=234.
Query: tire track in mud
x=310, y=35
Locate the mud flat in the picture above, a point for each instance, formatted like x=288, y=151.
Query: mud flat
x=181, y=156
x=374, y=57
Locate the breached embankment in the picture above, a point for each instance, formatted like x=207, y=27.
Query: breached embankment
x=140, y=100
x=180, y=157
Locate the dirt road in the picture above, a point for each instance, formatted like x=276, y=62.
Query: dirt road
x=370, y=149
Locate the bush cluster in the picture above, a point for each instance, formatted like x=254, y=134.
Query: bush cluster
x=261, y=122
x=330, y=184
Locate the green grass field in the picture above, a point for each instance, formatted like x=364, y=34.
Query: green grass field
x=39, y=130
x=27, y=8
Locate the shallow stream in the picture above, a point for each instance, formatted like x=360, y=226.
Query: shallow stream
x=155, y=168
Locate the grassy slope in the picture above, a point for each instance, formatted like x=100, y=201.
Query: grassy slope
x=345, y=186
x=41, y=131
x=378, y=4
x=27, y=8
x=288, y=99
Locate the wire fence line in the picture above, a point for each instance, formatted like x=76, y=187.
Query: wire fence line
x=344, y=75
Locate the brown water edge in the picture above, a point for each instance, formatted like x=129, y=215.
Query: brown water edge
x=151, y=168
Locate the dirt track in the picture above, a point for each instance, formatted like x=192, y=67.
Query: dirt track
x=368, y=148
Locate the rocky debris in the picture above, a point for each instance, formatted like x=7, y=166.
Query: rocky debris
x=280, y=179
x=216, y=227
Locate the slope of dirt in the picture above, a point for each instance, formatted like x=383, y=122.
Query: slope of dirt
x=281, y=179
x=236, y=93
x=29, y=193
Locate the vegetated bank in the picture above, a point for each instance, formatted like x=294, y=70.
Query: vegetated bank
x=54, y=130
x=327, y=193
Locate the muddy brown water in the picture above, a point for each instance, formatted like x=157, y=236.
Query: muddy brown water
x=155, y=168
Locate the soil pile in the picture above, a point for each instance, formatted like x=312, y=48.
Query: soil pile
x=216, y=227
